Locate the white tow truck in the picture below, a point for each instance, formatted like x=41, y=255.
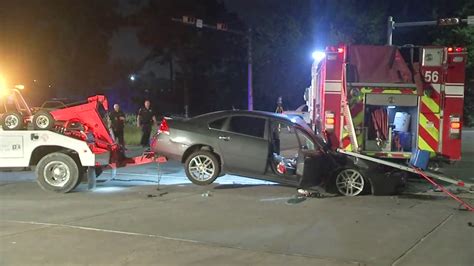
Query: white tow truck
x=60, y=161
x=65, y=146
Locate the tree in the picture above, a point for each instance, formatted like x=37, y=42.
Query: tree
x=57, y=42
x=209, y=65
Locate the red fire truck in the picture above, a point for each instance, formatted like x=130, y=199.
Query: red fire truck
x=388, y=101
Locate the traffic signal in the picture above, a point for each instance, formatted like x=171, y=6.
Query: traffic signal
x=221, y=26
x=448, y=21
x=189, y=20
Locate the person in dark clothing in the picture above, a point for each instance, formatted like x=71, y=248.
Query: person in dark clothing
x=117, y=120
x=145, y=120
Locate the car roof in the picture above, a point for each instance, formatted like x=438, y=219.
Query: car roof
x=226, y=113
x=242, y=112
x=282, y=117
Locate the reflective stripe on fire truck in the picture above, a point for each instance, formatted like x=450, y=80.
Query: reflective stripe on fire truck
x=389, y=91
x=428, y=135
x=429, y=119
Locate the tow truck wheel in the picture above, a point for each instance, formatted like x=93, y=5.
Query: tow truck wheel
x=12, y=121
x=43, y=120
x=350, y=182
x=202, y=167
x=58, y=172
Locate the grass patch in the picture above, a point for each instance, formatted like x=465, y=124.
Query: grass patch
x=132, y=135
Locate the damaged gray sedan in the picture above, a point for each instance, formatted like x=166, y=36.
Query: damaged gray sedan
x=270, y=147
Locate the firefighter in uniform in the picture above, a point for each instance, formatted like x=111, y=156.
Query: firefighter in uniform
x=117, y=120
x=145, y=120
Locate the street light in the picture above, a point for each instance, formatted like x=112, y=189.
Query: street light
x=133, y=77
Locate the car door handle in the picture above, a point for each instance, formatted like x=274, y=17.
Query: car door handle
x=224, y=138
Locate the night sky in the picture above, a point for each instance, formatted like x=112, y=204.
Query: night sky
x=85, y=47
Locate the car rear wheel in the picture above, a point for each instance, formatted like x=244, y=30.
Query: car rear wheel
x=43, y=120
x=350, y=182
x=12, y=121
x=58, y=172
x=202, y=167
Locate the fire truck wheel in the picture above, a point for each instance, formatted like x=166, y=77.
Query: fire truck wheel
x=202, y=167
x=12, y=121
x=58, y=172
x=350, y=182
x=43, y=120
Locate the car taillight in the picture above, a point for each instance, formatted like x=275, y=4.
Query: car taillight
x=329, y=121
x=164, y=128
x=454, y=127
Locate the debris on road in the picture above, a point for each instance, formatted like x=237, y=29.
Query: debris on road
x=206, y=194
x=309, y=194
x=296, y=200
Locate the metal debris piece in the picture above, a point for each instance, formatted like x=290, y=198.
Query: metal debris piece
x=206, y=194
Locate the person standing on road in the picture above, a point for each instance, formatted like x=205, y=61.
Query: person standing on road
x=117, y=120
x=145, y=120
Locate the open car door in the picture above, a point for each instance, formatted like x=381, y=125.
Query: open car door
x=312, y=161
x=295, y=156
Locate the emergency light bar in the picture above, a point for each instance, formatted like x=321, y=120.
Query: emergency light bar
x=318, y=55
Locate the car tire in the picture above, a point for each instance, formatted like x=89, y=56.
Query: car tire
x=350, y=182
x=43, y=120
x=58, y=172
x=202, y=167
x=12, y=121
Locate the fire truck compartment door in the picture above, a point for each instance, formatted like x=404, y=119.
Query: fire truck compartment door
x=391, y=99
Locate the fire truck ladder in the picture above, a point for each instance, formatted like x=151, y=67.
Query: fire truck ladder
x=346, y=111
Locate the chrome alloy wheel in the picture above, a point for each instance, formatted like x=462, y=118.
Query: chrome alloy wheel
x=42, y=121
x=202, y=168
x=56, y=173
x=11, y=121
x=350, y=182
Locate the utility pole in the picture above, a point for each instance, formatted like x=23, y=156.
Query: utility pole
x=198, y=23
x=249, y=71
x=392, y=25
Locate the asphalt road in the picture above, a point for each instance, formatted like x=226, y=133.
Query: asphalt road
x=132, y=221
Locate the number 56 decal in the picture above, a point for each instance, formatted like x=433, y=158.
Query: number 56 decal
x=431, y=76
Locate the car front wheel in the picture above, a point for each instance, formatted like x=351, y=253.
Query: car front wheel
x=202, y=167
x=350, y=182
